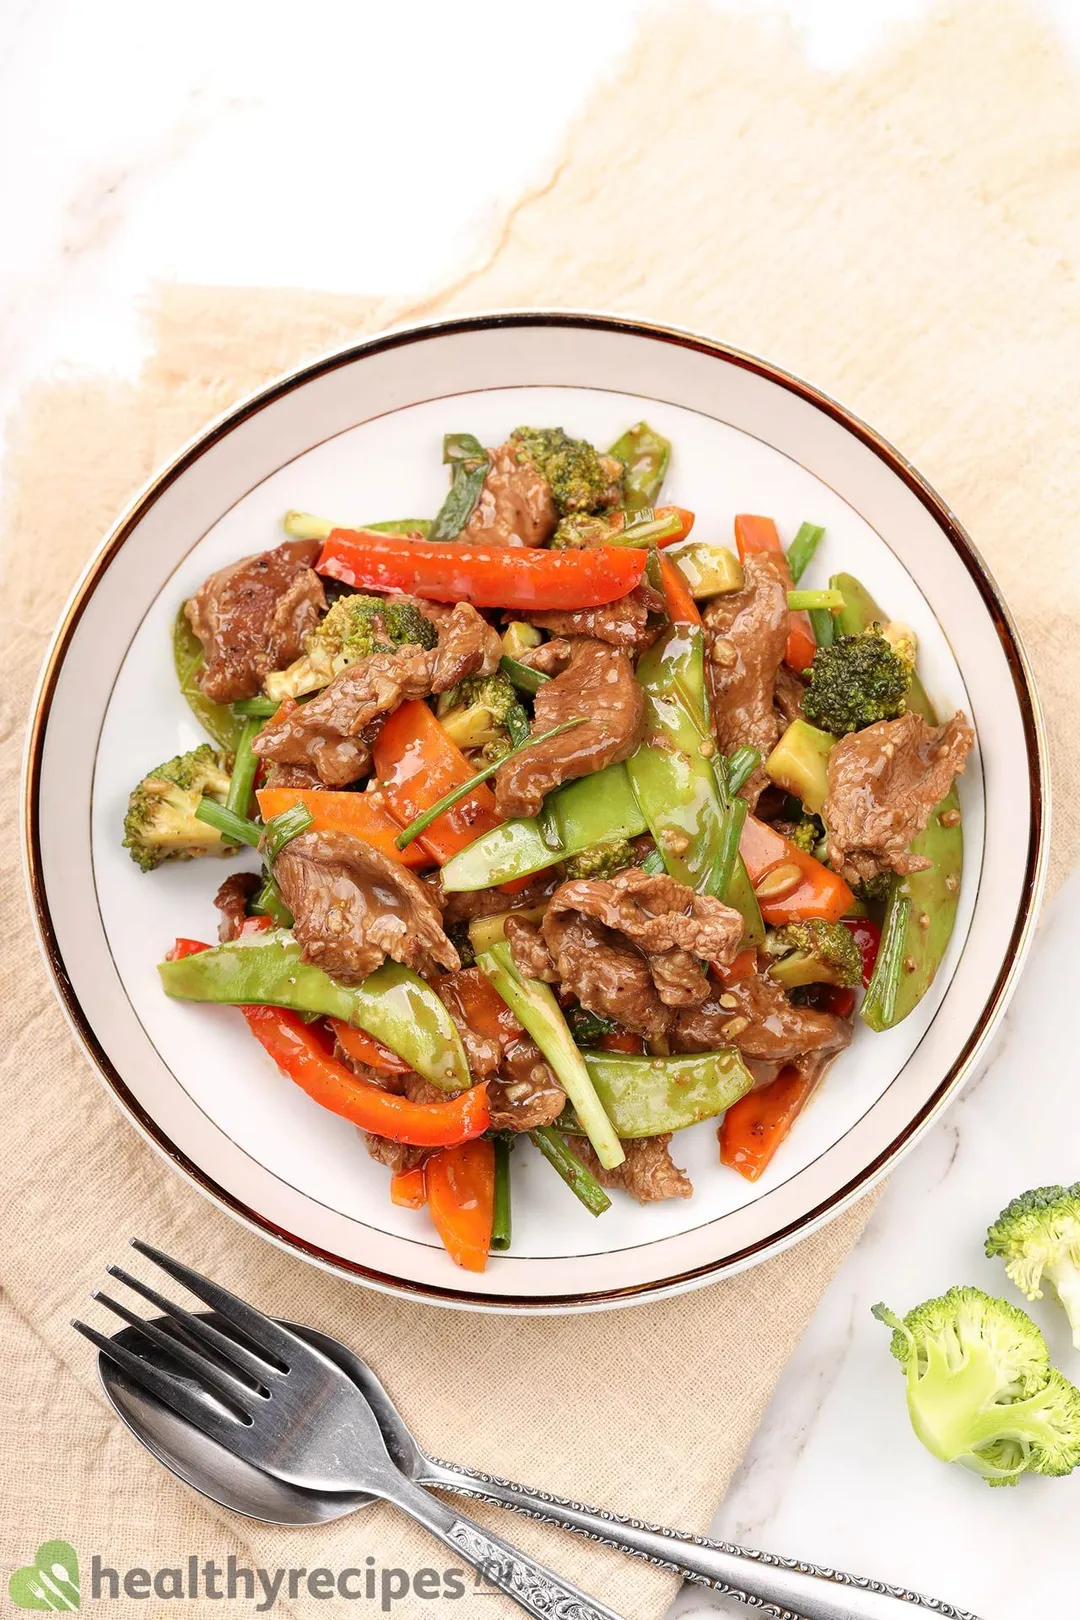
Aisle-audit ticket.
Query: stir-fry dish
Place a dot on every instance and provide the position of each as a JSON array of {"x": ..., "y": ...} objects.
[{"x": 570, "y": 827}]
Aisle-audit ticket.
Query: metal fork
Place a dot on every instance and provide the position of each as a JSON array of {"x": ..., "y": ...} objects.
[{"x": 282, "y": 1405}]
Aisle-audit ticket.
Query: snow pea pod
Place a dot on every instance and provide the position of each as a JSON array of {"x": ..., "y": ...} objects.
[
  {"x": 643, "y": 1096},
  {"x": 645, "y": 455},
  {"x": 216, "y": 718},
  {"x": 590, "y": 811},
  {"x": 393, "y": 1004},
  {"x": 920, "y": 912}
]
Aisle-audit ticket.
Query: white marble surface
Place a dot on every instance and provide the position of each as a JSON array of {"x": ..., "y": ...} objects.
[{"x": 330, "y": 146}]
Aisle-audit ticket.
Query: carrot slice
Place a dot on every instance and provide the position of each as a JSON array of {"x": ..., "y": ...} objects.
[
  {"x": 754, "y": 1127},
  {"x": 819, "y": 891},
  {"x": 408, "y": 1188},
  {"x": 461, "y": 1196},
  {"x": 363, "y": 815}
]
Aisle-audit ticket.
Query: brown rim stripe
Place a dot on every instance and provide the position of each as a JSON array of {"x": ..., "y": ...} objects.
[{"x": 1034, "y": 735}]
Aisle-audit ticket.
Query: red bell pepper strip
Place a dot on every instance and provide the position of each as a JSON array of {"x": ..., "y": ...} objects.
[
  {"x": 363, "y": 815},
  {"x": 760, "y": 534},
  {"x": 185, "y": 947},
  {"x": 621, "y": 1040},
  {"x": 754, "y": 1127},
  {"x": 417, "y": 764},
  {"x": 461, "y": 1196},
  {"x": 867, "y": 936},
  {"x": 408, "y": 1189},
  {"x": 486, "y": 576},
  {"x": 742, "y": 967},
  {"x": 681, "y": 607},
  {"x": 364, "y": 1048},
  {"x": 297, "y": 1052},
  {"x": 819, "y": 892}
]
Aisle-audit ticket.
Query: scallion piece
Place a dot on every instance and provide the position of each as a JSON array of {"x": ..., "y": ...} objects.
[
  {"x": 730, "y": 833},
  {"x": 501, "y": 1219},
  {"x": 823, "y": 625},
  {"x": 523, "y": 676},
  {"x": 830, "y": 601},
  {"x": 237, "y": 829},
  {"x": 741, "y": 766},
  {"x": 535, "y": 1008},
  {"x": 448, "y": 800},
  {"x": 653, "y": 863},
  {"x": 802, "y": 548},
  {"x": 255, "y": 708},
  {"x": 245, "y": 765},
  {"x": 268, "y": 903},
  {"x": 578, "y": 1177},
  {"x": 290, "y": 824}
]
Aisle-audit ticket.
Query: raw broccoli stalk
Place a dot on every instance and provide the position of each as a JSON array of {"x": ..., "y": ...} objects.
[
  {"x": 160, "y": 824},
  {"x": 355, "y": 627},
  {"x": 484, "y": 711},
  {"x": 1038, "y": 1235},
  {"x": 813, "y": 952},
  {"x": 980, "y": 1388},
  {"x": 581, "y": 479},
  {"x": 854, "y": 683},
  {"x": 602, "y": 860}
]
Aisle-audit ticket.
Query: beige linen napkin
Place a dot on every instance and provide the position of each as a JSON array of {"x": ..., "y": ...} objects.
[{"x": 906, "y": 235}]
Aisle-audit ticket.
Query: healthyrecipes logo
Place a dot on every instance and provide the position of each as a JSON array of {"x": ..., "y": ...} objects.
[{"x": 52, "y": 1582}]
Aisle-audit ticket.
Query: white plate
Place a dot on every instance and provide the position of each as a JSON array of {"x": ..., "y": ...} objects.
[{"x": 357, "y": 437}]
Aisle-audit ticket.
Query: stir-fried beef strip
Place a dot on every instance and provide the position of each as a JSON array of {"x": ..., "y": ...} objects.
[
  {"x": 516, "y": 507},
  {"x": 333, "y": 732},
  {"x": 252, "y": 618},
  {"x": 884, "y": 784},
  {"x": 789, "y": 693},
  {"x": 232, "y": 901},
  {"x": 745, "y": 636},
  {"x": 623, "y": 623},
  {"x": 354, "y": 907},
  {"x": 630, "y": 947},
  {"x": 551, "y": 657},
  {"x": 526, "y": 1093},
  {"x": 599, "y": 688},
  {"x": 648, "y": 1173},
  {"x": 756, "y": 1016},
  {"x": 465, "y": 905},
  {"x": 291, "y": 776}
]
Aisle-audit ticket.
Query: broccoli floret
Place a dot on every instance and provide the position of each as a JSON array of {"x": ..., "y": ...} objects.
[
  {"x": 355, "y": 627},
  {"x": 484, "y": 711},
  {"x": 580, "y": 529},
  {"x": 581, "y": 479},
  {"x": 855, "y": 682},
  {"x": 1038, "y": 1235},
  {"x": 980, "y": 1388},
  {"x": 814, "y": 952},
  {"x": 602, "y": 860},
  {"x": 806, "y": 833},
  {"x": 160, "y": 824},
  {"x": 875, "y": 890}
]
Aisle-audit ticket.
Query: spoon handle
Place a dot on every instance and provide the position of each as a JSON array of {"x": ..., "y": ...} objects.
[
  {"x": 785, "y": 1588},
  {"x": 534, "y": 1587}
]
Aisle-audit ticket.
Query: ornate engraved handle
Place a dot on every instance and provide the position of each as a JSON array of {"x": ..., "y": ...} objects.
[
  {"x": 781, "y": 1588},
  {"x": 534, "y": 1587}
]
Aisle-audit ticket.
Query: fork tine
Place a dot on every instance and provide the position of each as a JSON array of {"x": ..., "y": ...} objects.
[
  {"x": 222, "y": 1383},
  {"x": 169, "y": 1390},
  {"x": 273, "y": 1340},
  {"x": 205, "y": 1332}
]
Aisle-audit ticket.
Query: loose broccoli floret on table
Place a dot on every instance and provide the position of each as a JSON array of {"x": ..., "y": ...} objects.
[
  {"x": 980, "y": 1388},
  {"x": 602, "y": 860},
  {"x": 355, "y": 627},
  {"x": 854, "y": 683},
  {"x": 813, "y": 952},
  {"x": 160, "y": 824},
  {"x": 484, "y": 711},
  {"x": 1038, "y": 1235},
  {"x": 581, "y": 479}
]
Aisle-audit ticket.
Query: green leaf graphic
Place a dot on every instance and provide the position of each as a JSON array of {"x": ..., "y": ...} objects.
[{"x": 50, "y": 1582}]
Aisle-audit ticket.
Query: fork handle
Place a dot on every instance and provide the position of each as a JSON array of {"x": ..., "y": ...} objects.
[
  {"x": 534, "y": 1587},
  {"x": 784, "y": 1588}
]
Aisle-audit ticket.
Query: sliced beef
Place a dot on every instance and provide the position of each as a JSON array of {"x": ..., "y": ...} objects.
[
  {"x": 292, "y": 776},
  {"x": 483, "y": 1051},
  {"x": 756, "y": 1016},
  {"x": 232, "y": 901},
  {"x": 623, "y": 623},
  {"x": 746, "y": 634},
  {"x": 884, "y": 784},
  {"x": 598, "y": 686},
  {"x": 464, "y": 905},
  {"x": 333, "y": 732},
  {"x": 530, "y": 953},
  {"x": 516, "y": 507},
  {"x": 397, "y": 1156},
  {"x": 526, "y": 1093},
  {"x": 648, "y": 1173},
  {"x": 789, "y": 693},
  {"x": 354, "y": 907},
  {"x": 550, "y": 658},
  {"x": 252, "y": 618},
  {"x": 631, "y": 947}
]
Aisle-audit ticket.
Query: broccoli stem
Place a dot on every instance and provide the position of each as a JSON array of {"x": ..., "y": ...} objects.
[
  {"x": 245, "y": 766},
  {"x": 578, "y": 1177},
  {"x": 802, "y": 548},
  {"x": 501, "y": 1219},
  {"x": 534, "y": 1006},
  {"x": 238, "y": 829},
  {"x": 522, "y": 676},
  {"x": 448, "y": 800},
  {"x": 830, "y": 601}
]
